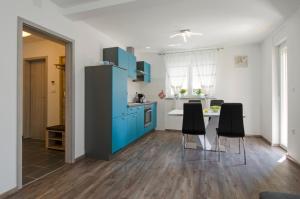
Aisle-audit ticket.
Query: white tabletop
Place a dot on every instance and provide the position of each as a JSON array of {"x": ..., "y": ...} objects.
[
  {"x": 179, "y": 112},
  {"x": 210, "y": 113}
]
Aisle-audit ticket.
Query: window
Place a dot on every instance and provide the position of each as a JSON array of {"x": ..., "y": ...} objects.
[
  {"x": 191, "y": 71},
  {"x": 178, "y": 78}
]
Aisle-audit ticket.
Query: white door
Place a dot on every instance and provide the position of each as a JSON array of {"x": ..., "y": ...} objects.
[{"x": 35, "y": 98}]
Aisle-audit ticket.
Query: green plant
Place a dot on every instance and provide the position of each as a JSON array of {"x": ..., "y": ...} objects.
[
  {"x": 182, "y": 91},
  {"x": 198, "y": 91}
]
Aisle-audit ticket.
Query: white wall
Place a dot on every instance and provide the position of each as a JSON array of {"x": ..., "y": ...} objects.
[
  {"x": 241, "y": 84},
  {"x": 132, "y": 89},
  {"x": 290, "y": 31},
  {"x": 51, "y": 50},
  {"x": 233, "y": 85},
  {"x": 266, "y": 90},
  {"x": 157, "y": 84},
  {"x": 88, "y": 45}
]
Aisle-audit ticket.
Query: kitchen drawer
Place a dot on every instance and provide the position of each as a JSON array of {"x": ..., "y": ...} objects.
[{"x": 132, "y": 110}]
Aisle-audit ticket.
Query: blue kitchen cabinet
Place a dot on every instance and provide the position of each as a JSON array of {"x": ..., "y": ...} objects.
[
  {"x": 131, "y": 128},
  {"x": 154, "y": 116},
  {"x": 140, "y": 121},
  {"x": 119, "y": 133},
  {"x": 116, "y": 55},
  {"x": 147, "y": 69},
  {"x": 144, "y": 69},
  {"x": 119, "y": 92},
  {"x": 153, "y": 123},
  {"x": 105, "y": 110},
  {"x": 132, "y": 73}
]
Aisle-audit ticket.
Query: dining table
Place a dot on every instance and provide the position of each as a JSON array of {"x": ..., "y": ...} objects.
[{"x": 211, "y": 123}]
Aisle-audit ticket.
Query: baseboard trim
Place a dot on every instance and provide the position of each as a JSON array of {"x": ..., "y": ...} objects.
[
  {"x": 171, "y": 130},
  {"x": 292, "y": 159},
  {"x": 8, "y": 193},
  {"x": 253, "y": 135},
  {"x": 266, "y": 140},
  {"x": 79, "y": 158}
]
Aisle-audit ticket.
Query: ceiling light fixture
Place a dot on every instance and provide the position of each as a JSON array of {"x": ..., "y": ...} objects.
[
  {"x": 26, "y": 34},
  {"x": 148, "y": 47},
  {"x": 185, "y": 34}
]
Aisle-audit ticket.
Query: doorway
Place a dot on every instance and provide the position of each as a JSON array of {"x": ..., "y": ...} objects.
[
  {"x": 283, "y": 79},
  {"x": 45, "y": 102}
]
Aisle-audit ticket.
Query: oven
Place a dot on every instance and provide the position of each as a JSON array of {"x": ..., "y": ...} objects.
[{"x": 147, "y": 115}]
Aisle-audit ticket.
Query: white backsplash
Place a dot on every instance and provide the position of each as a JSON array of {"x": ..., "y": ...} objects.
[{"x": 133, "y": 87}]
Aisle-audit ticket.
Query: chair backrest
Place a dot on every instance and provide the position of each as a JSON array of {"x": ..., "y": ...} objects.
[
  {"x": 216, "y": 102},
  {"x": 193, "y": 122},
  {"x": 194, "y": 101},
  {"x": 231, "y": 122}
]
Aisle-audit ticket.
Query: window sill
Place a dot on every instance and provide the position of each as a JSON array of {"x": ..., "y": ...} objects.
[{"x": 190, "y": 98}]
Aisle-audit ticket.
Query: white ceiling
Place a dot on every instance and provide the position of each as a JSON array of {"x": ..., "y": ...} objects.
[{"x": 142, "y": 23}]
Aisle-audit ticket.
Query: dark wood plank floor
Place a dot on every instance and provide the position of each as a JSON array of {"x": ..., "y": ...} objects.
[
  {"x": 154, "y": 168},
  {"x": 39, "y": 161}
]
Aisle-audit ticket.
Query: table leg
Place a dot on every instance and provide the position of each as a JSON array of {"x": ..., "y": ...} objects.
[{"x": 211, "y": 135}]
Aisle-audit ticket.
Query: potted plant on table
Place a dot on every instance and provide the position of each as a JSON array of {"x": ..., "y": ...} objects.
[
  {"x": 198, "y": 92},
  {"x": 182, "y": 92}
]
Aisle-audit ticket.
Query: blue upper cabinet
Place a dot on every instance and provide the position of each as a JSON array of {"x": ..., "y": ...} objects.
[
  {"x": 144, "y": 71},
  {"x": 116, "y": 55},
  {"x": 147, "y": 69},
  {"x": 132, "y": 66},
  {"x": 122, "y": 59}
]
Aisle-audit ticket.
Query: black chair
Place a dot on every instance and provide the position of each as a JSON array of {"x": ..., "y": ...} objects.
[
  {"x": 231, "y": 124},
  {"x": 216, "y": 102},
  {"x": 194, "y": 101},
  {"x": 193, "y": 122}
]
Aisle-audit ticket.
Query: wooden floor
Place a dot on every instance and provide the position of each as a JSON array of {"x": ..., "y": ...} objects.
[
  {"x": 154, "y": 168},
  {"x": 39, "y": 161}
]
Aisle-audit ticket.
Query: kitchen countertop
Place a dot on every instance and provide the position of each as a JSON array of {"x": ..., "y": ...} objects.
[{"x": 132, "y": 104}]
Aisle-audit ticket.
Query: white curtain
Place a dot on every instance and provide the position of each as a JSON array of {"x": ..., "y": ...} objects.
[
  {"x": 177, "y": 76},
  {"x": 191, "y": 71}
]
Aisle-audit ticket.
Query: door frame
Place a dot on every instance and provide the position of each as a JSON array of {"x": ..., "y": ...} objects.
[
  {"x": 282, "y": 46},
  {"x": 44, "y": 58},
  {"x": 70, "y": 90}
]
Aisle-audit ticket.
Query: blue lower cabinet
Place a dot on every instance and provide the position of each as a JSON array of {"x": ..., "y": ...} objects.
[
  {"x": 131, "y": 128},
  {"x": 140, "y": 121},
  {"x": 119, "y": 133},
  {"x": 154, "y": 115},
  {"x": 127, "y": 129}
]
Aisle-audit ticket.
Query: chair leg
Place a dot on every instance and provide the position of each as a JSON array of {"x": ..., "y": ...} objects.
[
  {"x": 239, "y": 145},
  {"x": 245, "y": 158},
  {"x": 204, "y": 148},
  {"x": 219, "y": 152},
  {"x": 183, "y": 146}
]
